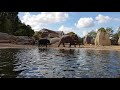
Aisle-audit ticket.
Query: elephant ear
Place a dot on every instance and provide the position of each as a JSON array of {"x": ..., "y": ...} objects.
[
  {"x": 76, "y": 37},
  {"x": 72, "y": 36}
]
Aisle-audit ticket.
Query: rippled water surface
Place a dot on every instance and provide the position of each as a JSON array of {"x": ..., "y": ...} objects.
[{"x": 59, "y": 63}]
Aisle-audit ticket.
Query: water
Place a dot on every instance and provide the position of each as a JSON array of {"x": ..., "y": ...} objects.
[{"x": 59, "y": 63}]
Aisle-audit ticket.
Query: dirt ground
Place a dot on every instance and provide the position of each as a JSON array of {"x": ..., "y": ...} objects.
[{"x": 92, "y": 47}]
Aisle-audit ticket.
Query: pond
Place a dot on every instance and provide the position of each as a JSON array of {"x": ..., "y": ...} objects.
[{"x": 59, "y": 63}]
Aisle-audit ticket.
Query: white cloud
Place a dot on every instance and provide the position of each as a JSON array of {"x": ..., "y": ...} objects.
[
  {"x": 38, "y": 27},
  {"x": 85, "y": 22},
  {"x": 103, "y": 19},
  {"x": 66, "y": 29},
  {"x": 44, "y": 18},
  {"x": 116, "y": 19}
]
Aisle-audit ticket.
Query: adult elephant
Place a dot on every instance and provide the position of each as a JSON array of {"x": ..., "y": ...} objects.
[
  {"x": 43, "y": 42},
  {"x": 73, "y": 40}
]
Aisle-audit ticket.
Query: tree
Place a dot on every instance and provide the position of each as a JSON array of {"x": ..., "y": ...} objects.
[
  {"x": 118, "y": 31},
  {"x": 8, "y": 22},
  {"x": 116, "y": 36},
  {"x": 92, "y": 34},
  {"x": 102, "y": 29},
  {"x": 11, "y": 24},
  {"x": 24, "y": 30},
  {"x": 109, "y": 31},
  {"x": 71, "y": 33}
]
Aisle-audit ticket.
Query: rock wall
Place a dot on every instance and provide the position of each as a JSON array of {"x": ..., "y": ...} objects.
[{"x": 102, "y": 39}]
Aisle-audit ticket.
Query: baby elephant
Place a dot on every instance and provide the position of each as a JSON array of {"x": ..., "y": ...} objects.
[{"x": 43, "y": 42}]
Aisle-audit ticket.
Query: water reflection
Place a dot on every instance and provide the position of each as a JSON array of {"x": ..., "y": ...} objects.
[
  {"x": 7, "y": 60},
  {"x": 43, "y": 49},
  {"x": 69, "y": 67},
  {"x": 65, "y": 51},
  {"x": 59, "y": 63}
]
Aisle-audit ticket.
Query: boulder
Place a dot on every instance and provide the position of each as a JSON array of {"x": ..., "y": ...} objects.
[
  {"x": 119, "y": 41},
  {"x": 4, "y": 38},
  {"x": 102, "y": 39},
  {"x": 23, "y": 40},
  {"x": 54, "y": 40}
]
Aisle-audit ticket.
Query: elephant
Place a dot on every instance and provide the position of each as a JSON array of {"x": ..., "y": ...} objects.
[
  {"x": 43, "y": 42},
  {"x": 73, "y": 40}
]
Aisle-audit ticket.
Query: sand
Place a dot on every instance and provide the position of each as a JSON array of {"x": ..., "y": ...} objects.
[{"x": 91, "y": 47}]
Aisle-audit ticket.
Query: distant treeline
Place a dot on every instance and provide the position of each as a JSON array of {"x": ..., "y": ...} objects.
[{"x": 11, "y": 24}]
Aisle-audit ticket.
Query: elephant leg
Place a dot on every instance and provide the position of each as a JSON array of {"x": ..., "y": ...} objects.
[
  {"x": 63, "y": 44},
  {"x": 70, "y": 45},
  {"x": 38, "y": 44},
  {"x": 74, "y": 45},
  {"x": 59, "y": 44},
  {"x": 79, "y": 44},
  {"x": 46, "y": 45}
]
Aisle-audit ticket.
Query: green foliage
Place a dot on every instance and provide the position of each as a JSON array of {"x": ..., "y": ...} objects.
[
  {"x": 92, "y": 34},
  {"x": 118, "y": 33},
  {"x": 80, "y": 40},
  {"x": 24, "y": 30},
  {"x": 102, "y": 29},
  {"x": 10, "y": 23},
  {"x": 37, "y": 35},
  {"x": 71, "y": 33},
  {"x": 109, "y": 31},
  {"x": 116, "y": 36}
]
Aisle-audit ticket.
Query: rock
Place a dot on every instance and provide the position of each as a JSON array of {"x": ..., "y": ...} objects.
[
  {"x": 4, "y": 38},
  {"x": 22, "y": 40},
  {"x": 4, "y": 41},
  {"x": 102, "y": 39},
  {"x": 119, "y": 41},
  {"x": 54, "y": 40},
  {"x": 13, "y": 39}
]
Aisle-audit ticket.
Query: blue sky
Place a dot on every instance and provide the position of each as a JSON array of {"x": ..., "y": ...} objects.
[{"x": 79, "y": 22}]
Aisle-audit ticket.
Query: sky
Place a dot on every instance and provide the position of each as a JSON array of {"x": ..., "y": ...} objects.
[{"x": 79, "y": 22}]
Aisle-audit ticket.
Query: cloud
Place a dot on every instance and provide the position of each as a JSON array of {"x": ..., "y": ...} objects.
[
  {"x": 116, "y": 19},
  {"x": 66, "y": 29},
  {"x": 44, "y": 18},
  {"x": 85, "y": 22},
  {"x": 103, "y": 19},
  {"x": 38, "y": 27}
]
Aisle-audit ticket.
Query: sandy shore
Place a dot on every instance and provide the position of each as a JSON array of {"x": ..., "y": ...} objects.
[{"x": 91, "y": 47}]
